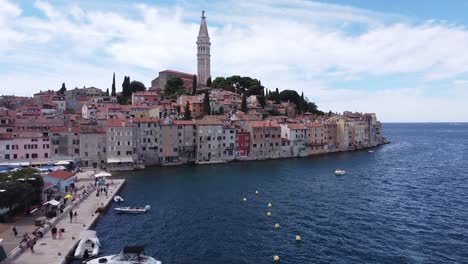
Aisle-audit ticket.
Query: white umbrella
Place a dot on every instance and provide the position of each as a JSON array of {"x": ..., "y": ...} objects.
[{"x": 103, "y": 174}]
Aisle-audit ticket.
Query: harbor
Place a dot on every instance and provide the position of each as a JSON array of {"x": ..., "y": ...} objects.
[{"x": 88, "y": 209}]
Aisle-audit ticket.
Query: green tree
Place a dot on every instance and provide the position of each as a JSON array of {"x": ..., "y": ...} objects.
[
  {"x": 208, "y": 82},
  {"x": 206, "y": 104},
  {"x": 244, "y": 104},
  {"x": 63, "y": 89},
  {"x": 187, "y": 112},
  {"x": 221, "y": 110},
  {"x": 261, "y": 100},
  {"x": 107, "y": 92},
  {"x": 174, "y": 87},
  {"x": 126, "y": 91},
  {"x": 136, "y": 86},
  {"x": 113, "y": 92},
  {"x": 194, "y": 85}
]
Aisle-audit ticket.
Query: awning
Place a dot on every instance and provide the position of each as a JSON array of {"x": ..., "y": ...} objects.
[
  {"x": 120, "y": 160},
  {"x": 103, "y": 174},
  {"x": 52, "y": 202},
  {"x": 47, "y": 185},
  {"x": 25, "y": 163}
]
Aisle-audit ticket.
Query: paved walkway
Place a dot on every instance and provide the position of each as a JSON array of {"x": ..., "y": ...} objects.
[{"x": 50, "y": 251}]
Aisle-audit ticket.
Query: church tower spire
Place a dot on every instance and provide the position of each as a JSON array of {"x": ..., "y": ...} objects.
[{"x": 203, "y": 52}]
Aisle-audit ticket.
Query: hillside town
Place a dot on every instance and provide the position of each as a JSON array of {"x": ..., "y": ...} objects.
[{"x": 181, "y": 118}]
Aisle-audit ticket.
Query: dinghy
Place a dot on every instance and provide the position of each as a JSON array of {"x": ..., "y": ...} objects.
[
  {"x": 88, "y": 247},
  {"x": 118, "y": 199}
]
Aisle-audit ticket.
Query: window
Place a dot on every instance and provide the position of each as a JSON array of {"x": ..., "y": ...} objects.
[
  {"x": 15, "y": 156},
  {"x": 7, "y": 147},
  {"x": 7, "y": 156},
  {"x": 27, "y": 156},
  {"x": 118, "y": 153}
]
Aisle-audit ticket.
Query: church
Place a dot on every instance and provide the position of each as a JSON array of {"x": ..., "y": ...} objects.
[{"x": 203, "y": 64}]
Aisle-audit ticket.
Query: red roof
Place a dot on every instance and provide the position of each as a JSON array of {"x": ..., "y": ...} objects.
[
  {"x": 61, "y": 175},
  {"x": 118, "y": 123},
  {"x": 183, "y": 122},
  {"x": 187, "y": 75}
]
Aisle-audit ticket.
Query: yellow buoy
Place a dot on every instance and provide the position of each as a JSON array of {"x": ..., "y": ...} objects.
[
  {"x": 257, "y": 192},
  {"x": 276, "y": 258},
  {"x": 277, "y": 226},
  {"x": 244, "y": 199},
  {"x": 268, "y": 214},
  {"x": 269, "y": 205},
  {"x": 298, "y": 238}
]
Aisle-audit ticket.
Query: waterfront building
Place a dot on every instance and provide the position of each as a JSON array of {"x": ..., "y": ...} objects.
[
  {"x": 60, "y": 179},
  {"x": 119, "y": 143},
  {"x": 146, "y": 132},
  {"x": 203, "y": 53},
  {"x": 65, "y": 142},
  {"x": 92, "y": 150},
  {"x": 229, "y": 142},
  {"x": 187, "y": 140},
  {"x": 209, "y": 141},
  {"x": 316, "y": 138},
  {"x": 330, "y": 131},
  {"x": 242, "y": 144},
  {"x": 27, "y": 146},
  {"x": 265, "y": 138},
  {"x": 168, "y": 142}
]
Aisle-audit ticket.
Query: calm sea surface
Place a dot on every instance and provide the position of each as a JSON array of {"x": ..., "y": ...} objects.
[{"x": 405, "y": 203}]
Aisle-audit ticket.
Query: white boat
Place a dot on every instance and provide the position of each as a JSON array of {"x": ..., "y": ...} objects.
[
  {"x": 340, "y": 172},
  {"x": 88, "y": 247},
  {"x": 129, "y": 255},
  {"x": 132, "y": 209},
  {"x": 118, "y": 199},
  {"x": 371, "y": 151}
]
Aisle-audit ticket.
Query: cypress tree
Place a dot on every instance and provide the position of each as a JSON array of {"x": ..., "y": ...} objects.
[
  {"x": 221, "y": 110},
  {"x": 194, "y": 85},
  {"x": 113, "y": 93},
  {"x": 277, "y": 96},
  {"x": 107, "y": 92},
  {"x": 206, "y": 104},
  {"x": 187, "y": 112},
  {"x": 63, "y": 89},
  {"x": 244, "y": 104},
  {"x": 208, "y": 82}
]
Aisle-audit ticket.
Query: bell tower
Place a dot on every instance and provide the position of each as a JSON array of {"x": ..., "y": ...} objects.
[{"x": 203, "y": 53}]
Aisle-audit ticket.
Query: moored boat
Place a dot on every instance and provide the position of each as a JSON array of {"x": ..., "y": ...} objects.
[
  {"x": 129, "y": 255},
  {"x": 88, "y": 247},
  {"x": 132, "y": 209},
  {"x": 340, "y": 172},
  {"x": 118, "y": 199}
]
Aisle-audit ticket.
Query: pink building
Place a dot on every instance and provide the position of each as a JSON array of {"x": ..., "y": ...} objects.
[{"x": 242, "y": 144}]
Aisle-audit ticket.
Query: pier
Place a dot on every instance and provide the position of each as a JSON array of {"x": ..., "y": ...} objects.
[{"x": 48, "y": 250}]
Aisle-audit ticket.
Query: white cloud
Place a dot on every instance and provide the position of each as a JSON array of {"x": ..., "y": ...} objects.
[{"x": 293, "y": 44}]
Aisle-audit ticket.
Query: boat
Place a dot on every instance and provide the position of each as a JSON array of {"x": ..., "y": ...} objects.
[
  {"x": 132, "y": 209},
  {"x": 340, "y": 172},
  {"x": 88, "y": 247},
  {"x": 118, "y": 199},
  {"x": 371, "y": 151},
  {"x": 129, "y": 255}
]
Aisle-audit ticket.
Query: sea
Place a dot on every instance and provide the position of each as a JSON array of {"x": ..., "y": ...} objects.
[{"x": 406, "y": 202}]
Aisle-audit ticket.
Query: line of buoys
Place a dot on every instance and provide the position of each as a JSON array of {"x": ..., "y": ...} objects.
[
  {"x": 298, "y": 238},
  {"x": 244, "y": 199},
  {"x": 277, "y": 226},
  {"x": 269, "y": 214},
  {"x": 269, "y": 205},
  {"x": 276, "y": 258},
  {"x": 257, "y": 192}
]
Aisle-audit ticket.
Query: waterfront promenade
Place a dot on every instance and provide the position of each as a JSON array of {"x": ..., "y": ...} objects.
[{"x": 48, "y": 250}]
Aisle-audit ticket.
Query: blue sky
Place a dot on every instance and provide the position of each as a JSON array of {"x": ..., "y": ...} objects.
[{"x": 404, "y": 60}]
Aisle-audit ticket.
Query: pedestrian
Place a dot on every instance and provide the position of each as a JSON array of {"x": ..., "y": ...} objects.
[
  {"x": 60, "y": 233},
  {"x": 75, "y": 215},
  {"x": 41, "y": 232},
  {"x": 54, "y": 232},
  {"x": 71, "y": 215},
  {"x": 15, "y": 230}
]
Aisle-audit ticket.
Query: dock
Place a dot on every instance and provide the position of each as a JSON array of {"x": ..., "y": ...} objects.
[{"x": 48, "y": 250}]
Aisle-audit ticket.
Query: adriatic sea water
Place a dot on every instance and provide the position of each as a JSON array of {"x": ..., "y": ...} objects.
[{"x": 407, "y": 202}]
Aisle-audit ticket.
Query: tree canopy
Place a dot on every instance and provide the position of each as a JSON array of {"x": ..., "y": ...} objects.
[
  {"x": 187, "y": 112},
  {"x": 63, "y": 89},
  {"x": 22, "y": 188},
  {"x": 239, "y": 84},
  {"x": 113, "y": 92},
  {"x": 206, "y": 104},
  {"x": 174, "y": 87}
]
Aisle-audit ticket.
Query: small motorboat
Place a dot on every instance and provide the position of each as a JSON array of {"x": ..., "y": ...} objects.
[
  {"x": 371, "y": 151},
  {"x": 132, "y": 209},
  {"x": 118, "y": 199},
  {"x": 88, "y": 247},
  {"x": 129, "y": 255},
  {"x": 340, "y": 172}
]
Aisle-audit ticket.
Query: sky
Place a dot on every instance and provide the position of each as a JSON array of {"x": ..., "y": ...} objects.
[{"x": 406, "y": 61}]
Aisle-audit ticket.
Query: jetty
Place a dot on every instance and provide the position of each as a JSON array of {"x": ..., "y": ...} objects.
[{"x": 48, "y": 250}]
